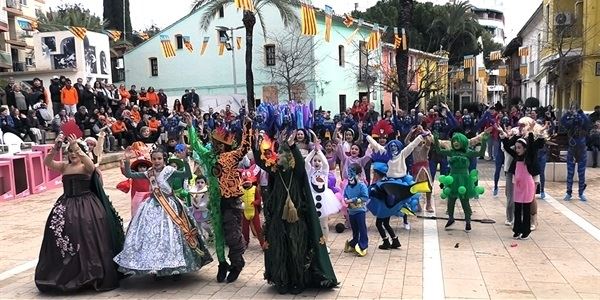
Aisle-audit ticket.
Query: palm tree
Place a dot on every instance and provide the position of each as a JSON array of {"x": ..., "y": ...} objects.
[
  {"x": 287, "y": 10},
  {"x": 69, "y": 15},
  {"x": 405, "y": 11},
  {"x": 458, "y": 28}
]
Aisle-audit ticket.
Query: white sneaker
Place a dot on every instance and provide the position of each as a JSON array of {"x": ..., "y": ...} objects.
[
  {"x": 508, "y": 223},
  {"x": 532, "y": 227},
  {"x": 407, "y": 226}
]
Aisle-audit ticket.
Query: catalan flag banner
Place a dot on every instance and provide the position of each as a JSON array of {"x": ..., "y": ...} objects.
[
  {"x": 469, "y": 62},
  {"x": 114, "y": 34},
  {"x": 188, "y": 44},
  {"x": 244, "y": 4},
  {"x": 204, "y": 45},
  {"x": 79, "y": 32},
  {"x": 351, "y": 37},
  {"x": 523, "y": 51},
  {"x": 309, "y": 21},
  {"x": 221, "y": 48},
  {"x": 374, "y": 37},
  {"x": 502, "y": 71},
  {"x": 144, "y": 36},
  {"x": 460, "y": 75},
  {"x": 238, "y": 42},
  {"x": 495, "y": 55},
  {"x": 481, "y": 73},
  {"x": 328, "y": 16},
  {"x": 348, "y": 20},
  {"x": 523, "y": 70},
  {"x": 404, "y": 40},
  {"x": 167, "y": 46}
]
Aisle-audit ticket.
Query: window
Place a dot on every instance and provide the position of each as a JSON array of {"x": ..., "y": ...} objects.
[
  {"x": 341, "y": 56},
  {"x": 153, "y": 66},
  {"x": 29, "y": 61},
  {"x": 179, "y": 41},
  {"x": 270, "y": 55},
  {"x": 24, "y": 2},
  {"x": 221, "y": 12}
]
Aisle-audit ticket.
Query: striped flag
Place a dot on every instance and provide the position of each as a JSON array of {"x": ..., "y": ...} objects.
[
  {"x": 397, "y": 39},
  {"x": 167, "y": 46},
  {"x": 502, "y": 71},
  {"x": 404, "y": 40},
  {"x": 114, "y": 34},
  {"x": 309, "y": 21},
  {"x": 244, "y": 4},
  {"x": 328, "y": 16},
  {"x": 238, "y": 42},
  {"x": 495, "y": 55},
  {"x": 221, "y": 48},
  {"x": 144, "y": 36},
  {"x": 469, "y": 61},
  {"x": 351, "y": 37},
  {"x": 374, "y": 37},
  {"x": 460, "y": 75},
  {"x": 481, "y": 73},
  {"x": 523, "y": 51},
  {"x": 523, "y": 70},
  {"x": 188, "y": 43},
  {"x": 348, "y": 20},
  {"x": 78, "y": 31},
  {"x": 204, "y": 45}
]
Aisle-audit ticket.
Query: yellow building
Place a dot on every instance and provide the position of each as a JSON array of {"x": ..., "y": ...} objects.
[
  {"x": 17, "y": 19},
  {"x": 571, "y": 50}
]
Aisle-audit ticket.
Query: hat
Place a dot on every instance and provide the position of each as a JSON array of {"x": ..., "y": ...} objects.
[
  {"x": 380, "y": 167},
  {"x": 141, "y": 162},
  {"x": 54, "y": 77},
  {"x": 177, "y": 161}
]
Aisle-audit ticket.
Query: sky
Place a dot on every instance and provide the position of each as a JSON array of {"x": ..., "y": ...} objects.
[{"x": 163, "y": 13}]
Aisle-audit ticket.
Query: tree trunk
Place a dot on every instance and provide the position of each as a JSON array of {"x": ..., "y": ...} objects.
[
  {"x": 113, "y": 13},
  {"x": 405, "y": 8},
  {"x": 249, "y": 21}
]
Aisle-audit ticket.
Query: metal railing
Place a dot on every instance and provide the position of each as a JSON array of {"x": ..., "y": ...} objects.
[
  {"x": 16, "y": 4},
  {"x": 19, "y": 67}
]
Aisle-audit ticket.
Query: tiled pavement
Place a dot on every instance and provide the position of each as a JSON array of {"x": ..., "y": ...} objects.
[{"x": 560, "y": 261}]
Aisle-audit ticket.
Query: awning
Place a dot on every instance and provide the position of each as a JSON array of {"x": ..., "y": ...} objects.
[{"x": 25, "y": 25}]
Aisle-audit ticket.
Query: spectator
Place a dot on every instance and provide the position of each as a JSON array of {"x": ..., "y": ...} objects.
[
  {"x": 101, "y": 96},
  {"x": 114, "y": 99},
  {"x": 133, "y": 96},
  {"x": 44, "y": 115},
  {"x": 7, "y": 124},
  {"x": 59, "y": 120},
  {"x": 8, "y": 90},
  {"x": 154, "y": 125},
  {"x": 136, "y": 117},
  {"x": 594, "y": 142},
  {"x": 80, "y": 87},
  {"x": 163, "y": 100},
  {"x": 153, "y": 99},
  {"x": 69, "y": 98},
  {"x": 20, "y": 98},
  {"x": 35, "y": 127},
  {"x": 177, "y": 107},
  {"x": 55, "y": 88},
  {"x": 37, "y": 94},
  {"x": 124, "y": 94},
  {"x": 143, "y": 98},
  {"x": 595, "y": 116},
  {"x": 195, "y": 98},
  {"x": 186, "y": 101},
  {"x": 21, "y": 125},
  {"x": 229, "y": 115},
  {"x": 88, "y": 99},
  {"x": 82, "y": 118},
  {"x": 119, "y": 131}
]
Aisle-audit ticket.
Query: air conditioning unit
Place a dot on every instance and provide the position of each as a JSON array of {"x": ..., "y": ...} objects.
[{"x": 563, "y": 19}]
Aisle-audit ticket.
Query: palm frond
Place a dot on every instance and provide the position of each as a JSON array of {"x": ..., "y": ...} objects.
[{"x": 211, "y": 9}]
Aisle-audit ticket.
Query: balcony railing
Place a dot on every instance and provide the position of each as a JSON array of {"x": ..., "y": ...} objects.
[
  {"x": 19, "y": 67},
  {"x": 16, "y": 4},
  {"x": 5, "y": 60}
]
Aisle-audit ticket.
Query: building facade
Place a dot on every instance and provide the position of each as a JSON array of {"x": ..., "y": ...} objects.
[
  {"x": 491, "y": 20},
  {"x": 17, "y": 22},
  {"x": 334, "y": 82}
]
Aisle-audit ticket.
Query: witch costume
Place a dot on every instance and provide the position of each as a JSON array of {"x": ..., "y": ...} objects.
[
  {"x": 295, "y": 252},
  {"x": 82, "y": 235},
  {"x": 162, "y": 238}
]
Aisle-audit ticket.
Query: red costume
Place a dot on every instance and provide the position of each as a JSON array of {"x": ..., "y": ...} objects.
[
  {"x": 140, "y": 188},
  {"x": 252, "y": 204}
]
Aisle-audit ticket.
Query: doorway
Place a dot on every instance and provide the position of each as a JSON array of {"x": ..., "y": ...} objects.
[{"x": 342, "y": 103}]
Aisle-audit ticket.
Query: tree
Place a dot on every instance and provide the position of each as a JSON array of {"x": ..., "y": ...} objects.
[
  {"x": 294, "y": 62},
  {"x": 114, "y": 14},
  {"x": 69, "y": 15},
  {"x": 405, "y": 10},
  {"x": 287, "y": 11}
]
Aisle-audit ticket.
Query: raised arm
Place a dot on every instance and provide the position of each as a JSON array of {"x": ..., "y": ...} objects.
[
  {"x": 49, "y": 159},
  {"x": 321, "y": 155},
  {"x": 481, "y": 152},
  {"x": 411, "y": 147},
  {"x": 375, "y": 145},
  {"x": 185, "y": 173},
  {"x": 438, "y": 149},
  {"x": 88, "y": 164},
  {"x": 130, "y": 174},
  {"x": 309, "y": 158}
]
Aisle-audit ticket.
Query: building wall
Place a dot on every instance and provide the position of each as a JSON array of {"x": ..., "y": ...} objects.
[
  {"x": 16, "y": 44},
  {"x": 591, "y": 62},
  {"x": 211, "y": 74}
]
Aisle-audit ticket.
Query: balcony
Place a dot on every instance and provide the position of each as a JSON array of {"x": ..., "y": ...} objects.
[
  {"x": 13, "y": 7},
  {"x": 19, "y": 67},
  {"x": 5, "y": 60}
]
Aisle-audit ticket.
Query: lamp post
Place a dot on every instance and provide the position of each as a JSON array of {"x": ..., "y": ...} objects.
[{"x": 230, "y": 47}]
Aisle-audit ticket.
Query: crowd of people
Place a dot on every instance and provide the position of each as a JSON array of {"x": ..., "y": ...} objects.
[{"x": 207, "y": 177}]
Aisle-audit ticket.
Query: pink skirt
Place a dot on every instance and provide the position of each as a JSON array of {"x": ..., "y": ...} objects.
[{"x": 523, "y": 184}]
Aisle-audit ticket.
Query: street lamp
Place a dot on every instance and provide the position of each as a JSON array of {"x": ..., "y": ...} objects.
[{"x": 224, "y": 38}]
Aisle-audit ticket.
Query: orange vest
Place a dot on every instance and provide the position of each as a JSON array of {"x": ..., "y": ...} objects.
[
  {"x": 118, "y": 126},
  {"x": 135, "y": 116}
]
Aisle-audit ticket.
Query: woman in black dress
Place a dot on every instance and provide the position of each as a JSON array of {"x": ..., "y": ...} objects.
[{"x": 83, "y": 232}]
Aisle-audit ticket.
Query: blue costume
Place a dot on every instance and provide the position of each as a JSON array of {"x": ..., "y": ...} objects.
[
  {"x": 577, "y": 125},
  {"x": 357, "y": 196}
]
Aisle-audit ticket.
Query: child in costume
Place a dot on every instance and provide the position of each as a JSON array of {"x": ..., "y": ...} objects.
[
  {"x": 326, "y": 203},
  {"x": 199, "y": 197},
  {"x": 251, "y": 203},
  {"x": 524, "y": 161},
  {"x": 377, "y": 207},
  {"x": 420, "y": 167},
  {"x": 356, "y": 194},
  {"x": 139, "y": 187},
  {"x": 460, "y": 183},
  {"x": 162, "y": 238}
]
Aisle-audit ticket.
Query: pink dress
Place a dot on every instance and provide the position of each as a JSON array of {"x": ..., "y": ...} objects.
[{"x": 524, "y": 186}]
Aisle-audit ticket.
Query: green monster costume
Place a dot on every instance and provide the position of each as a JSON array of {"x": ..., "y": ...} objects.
[
  {"x": 460, "y": 183},
  {"x": 209, "y": 160},
  {"x": 177, "y": 183},
  {"x": 295, "y": 251}
]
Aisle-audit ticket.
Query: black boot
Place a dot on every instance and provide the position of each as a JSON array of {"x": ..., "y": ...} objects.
[
  {"x": 395, "y": 243},
  {"x": 468, "y": 227},
  {"x": 450, "y": 222},
  {"x": 234, "y": 273},
  {"x": 222, "y": 273},
  {"x": 386, "y": 244}
]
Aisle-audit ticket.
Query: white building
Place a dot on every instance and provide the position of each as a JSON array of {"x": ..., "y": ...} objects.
[
  {"x": 60, "y": 53},
  {"x": 534, "y": 84},
  {"x": 333, "y": 84},
  {"x": 492, "y": 20}
]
